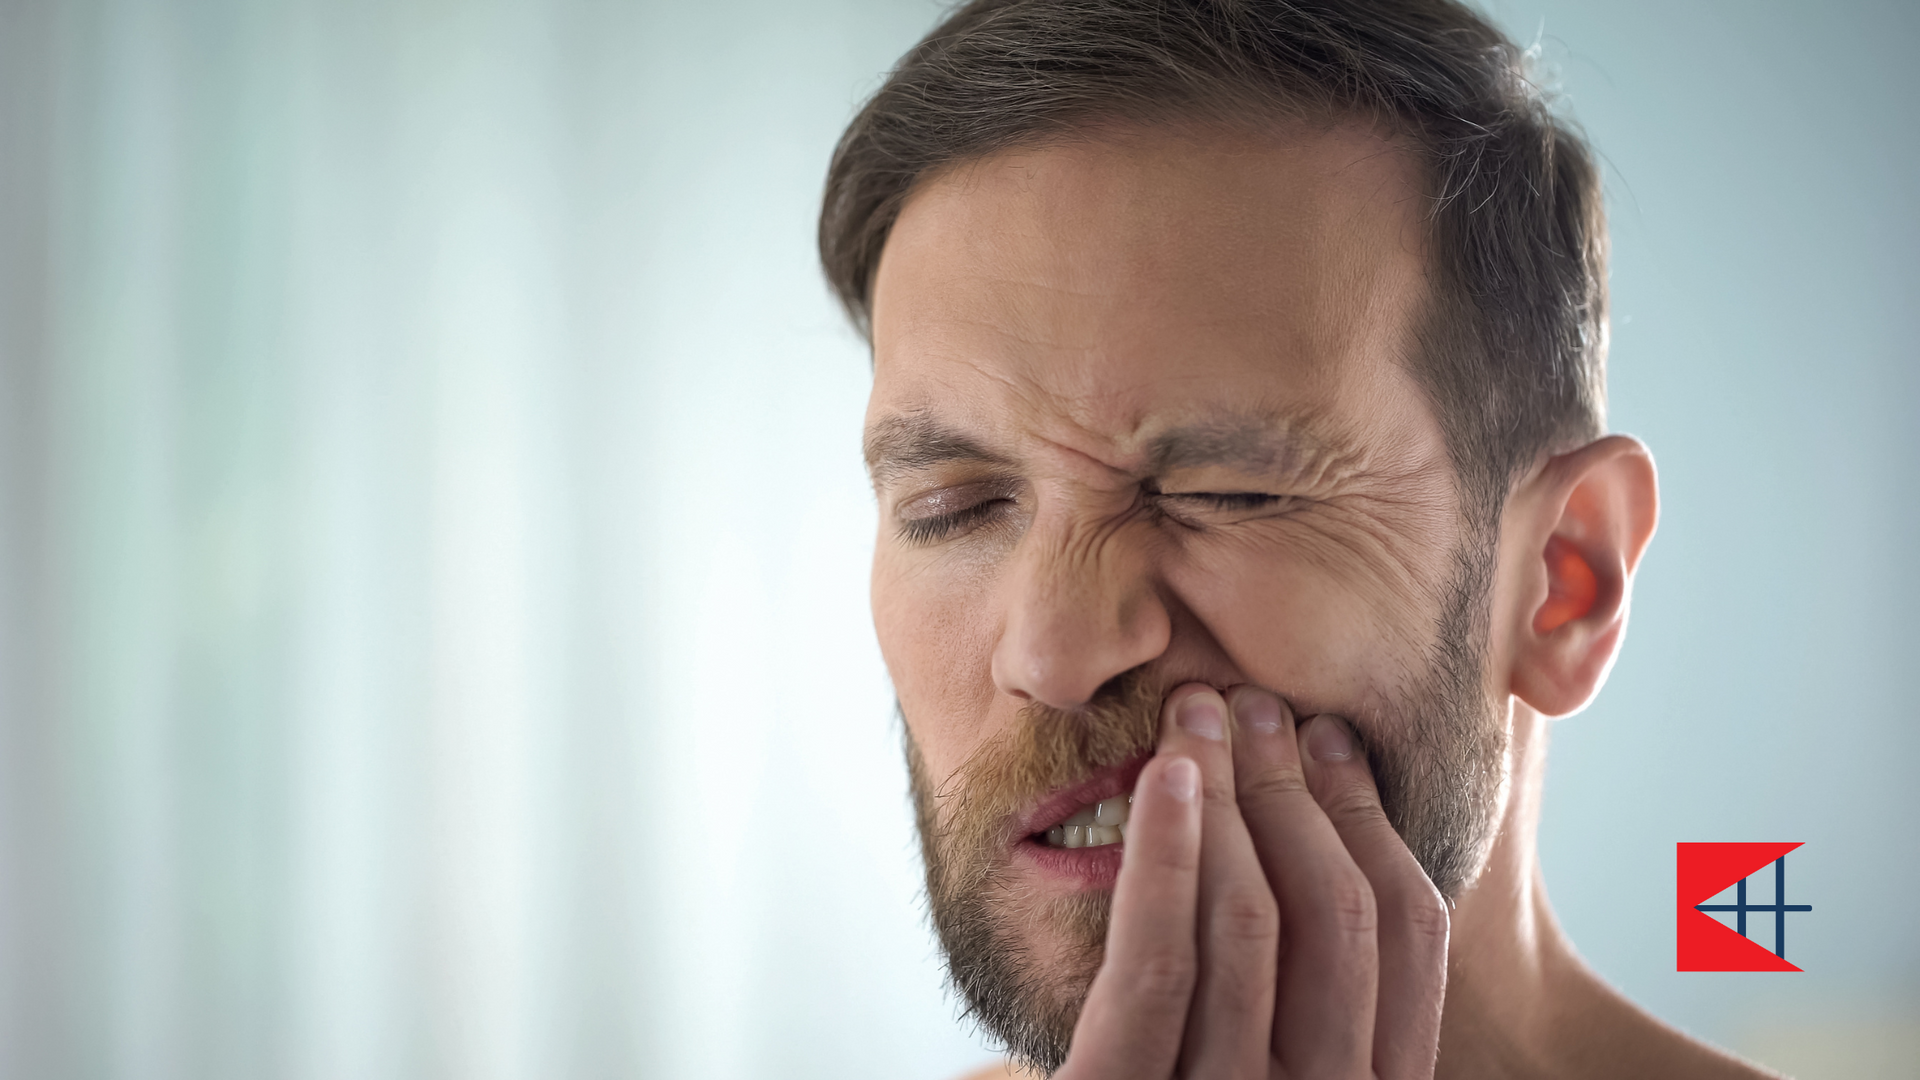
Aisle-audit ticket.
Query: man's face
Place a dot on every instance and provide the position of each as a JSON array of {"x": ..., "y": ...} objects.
[{"x": 1141, "y": 415}]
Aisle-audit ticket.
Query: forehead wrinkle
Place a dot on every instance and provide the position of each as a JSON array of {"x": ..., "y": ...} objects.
[
  {"x": 1057, "y": 407},
  {"x": 1290, "y": 444}
]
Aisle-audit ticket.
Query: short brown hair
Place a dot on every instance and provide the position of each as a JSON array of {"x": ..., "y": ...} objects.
[{"x": 1514, "y": 345}]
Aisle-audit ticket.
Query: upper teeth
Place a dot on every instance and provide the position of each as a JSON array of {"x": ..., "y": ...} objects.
[{"x": 1104, "y": 822}]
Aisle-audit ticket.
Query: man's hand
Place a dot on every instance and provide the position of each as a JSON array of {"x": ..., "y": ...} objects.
[{"x": 1268, "y": 921}]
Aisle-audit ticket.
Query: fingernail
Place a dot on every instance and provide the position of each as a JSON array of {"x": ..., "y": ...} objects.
[
  {"x": 1328, "y": 740},
  {"x": 1203, "y": 715},
  {"x": 1182, "y": 779},
  {"x": 1259, "y": 711}
]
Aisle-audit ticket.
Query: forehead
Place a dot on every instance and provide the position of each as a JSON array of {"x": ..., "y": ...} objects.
[{"x": 1107, "y": 288}]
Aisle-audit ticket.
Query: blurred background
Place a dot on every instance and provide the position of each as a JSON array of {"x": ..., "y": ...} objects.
[{"x": 433, "y": 633}]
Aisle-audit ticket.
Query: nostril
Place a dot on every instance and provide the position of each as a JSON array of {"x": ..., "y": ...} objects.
[{"x": 1064, "y": 639}]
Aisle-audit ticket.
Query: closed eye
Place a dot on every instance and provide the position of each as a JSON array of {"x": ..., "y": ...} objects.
[
  {"x": 1200, "y": 509},
  {"x": 926, "y": 530},
  {"x": 955, "y": 511},
  {"x": 1229, "y": 500}
]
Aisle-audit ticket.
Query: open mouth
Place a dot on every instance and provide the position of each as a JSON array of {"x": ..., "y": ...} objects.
[
  {"x": 1090, "y": 814},
  {"x": 1095, "y": 824}
]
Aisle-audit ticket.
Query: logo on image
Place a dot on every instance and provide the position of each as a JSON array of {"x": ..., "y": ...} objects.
[{"x": 1707, "y": 944}]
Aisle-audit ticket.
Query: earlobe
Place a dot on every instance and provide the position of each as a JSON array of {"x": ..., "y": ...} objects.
[{"x": 1585, "y": 520}]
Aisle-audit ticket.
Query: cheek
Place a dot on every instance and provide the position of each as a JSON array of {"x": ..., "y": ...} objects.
[
  {"x": 938, "y": 647},
  {"x": 1331, "y": 637}
]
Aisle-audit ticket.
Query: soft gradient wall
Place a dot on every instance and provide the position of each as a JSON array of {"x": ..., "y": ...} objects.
[
  {"x": 432, "y": 538},
  {"x": 1763, "y": 164}
]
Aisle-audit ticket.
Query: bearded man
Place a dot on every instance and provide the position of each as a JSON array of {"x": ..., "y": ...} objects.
[{"x": 1246, "y": 510}]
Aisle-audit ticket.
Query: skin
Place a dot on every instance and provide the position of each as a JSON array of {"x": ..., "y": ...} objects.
[{"x": 1065, "y": 340}]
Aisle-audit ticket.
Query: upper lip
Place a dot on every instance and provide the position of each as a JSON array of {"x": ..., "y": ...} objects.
[{"x": 1102, "y": 784}]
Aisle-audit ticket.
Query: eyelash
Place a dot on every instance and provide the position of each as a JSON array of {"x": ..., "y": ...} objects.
[
  {"x": 1217, "y": 502},
  {"x": 939, "y": 527},
  {"x": 1230, "y": 500},
  {"x": 928, "y": 530}
]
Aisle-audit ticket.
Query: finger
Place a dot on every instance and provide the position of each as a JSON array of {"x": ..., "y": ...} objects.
[
  {"x": 1228, "y": 1029},
  {"x": 1136, "y": 1009},
  {"x": 1413, "y": 917},
  {"x": 1328, "y": 979}
]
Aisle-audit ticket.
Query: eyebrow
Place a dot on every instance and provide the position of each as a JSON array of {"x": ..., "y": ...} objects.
[
  {"x": 1279, "y": 445},
  {"x": 910, "y": 442},
  {"x": 1283, "y": 445}
]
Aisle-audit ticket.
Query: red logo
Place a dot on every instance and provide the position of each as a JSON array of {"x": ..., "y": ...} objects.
[{"x": 1706, "y": 943}]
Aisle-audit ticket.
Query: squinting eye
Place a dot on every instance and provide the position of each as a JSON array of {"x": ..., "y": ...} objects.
[
  {"x": 1233, "y": 500},
  {"x": 1225, "y": 500},
  {"x": 1199, "y": 508}
]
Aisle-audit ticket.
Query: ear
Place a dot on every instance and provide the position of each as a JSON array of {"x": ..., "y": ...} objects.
[{"x": 1579, "y": 525}]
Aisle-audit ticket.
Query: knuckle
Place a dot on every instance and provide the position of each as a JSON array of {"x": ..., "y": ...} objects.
[
  {"x": 1162, "y": 980},
  {"x": 1243, "y": 917},
  {"x": 1427, "y": 915},
  {"x": 1353, "y": 803},
  {"x": 1351, "y": 905},
  {"x": 1273, "y": 784},
  {"x": 1217, "y": 789}
]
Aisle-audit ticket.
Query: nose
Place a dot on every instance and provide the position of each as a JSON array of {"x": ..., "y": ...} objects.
[{"x": 1079, "y": 611}]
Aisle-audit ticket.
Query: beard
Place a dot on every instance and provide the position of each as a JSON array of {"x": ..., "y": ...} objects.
[{"x": 1023, "y": 963}]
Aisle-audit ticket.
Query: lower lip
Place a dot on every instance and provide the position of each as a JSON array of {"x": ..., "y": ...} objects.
[{"x": 1088, "y": 867}]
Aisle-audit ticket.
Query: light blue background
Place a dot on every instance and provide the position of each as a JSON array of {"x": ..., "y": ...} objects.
[
  {"x": 432, "y": 538},
  {"x": 1762, "y": 178}
]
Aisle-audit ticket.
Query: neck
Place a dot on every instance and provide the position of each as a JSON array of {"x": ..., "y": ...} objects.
[
  {"x": 1506, "y": 952},
  {"x": 1520, "y": 1001}
]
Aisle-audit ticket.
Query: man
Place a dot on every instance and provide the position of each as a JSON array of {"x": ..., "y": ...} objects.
[{"x": 1245, "y": 512}]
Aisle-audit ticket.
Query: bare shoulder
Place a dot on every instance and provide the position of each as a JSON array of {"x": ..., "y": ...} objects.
[
  {"x": 1582, "y": 1028},
  {"x": 1616, "y": 1037},
  {"x": 1660, "y": 1052}
]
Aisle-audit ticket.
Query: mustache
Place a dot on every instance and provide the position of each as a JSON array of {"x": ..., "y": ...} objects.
[{"x": 1046, "y": 749}]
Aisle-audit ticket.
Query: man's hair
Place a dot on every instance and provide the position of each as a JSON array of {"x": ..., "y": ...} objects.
[{"x": 1513, "y": 342}]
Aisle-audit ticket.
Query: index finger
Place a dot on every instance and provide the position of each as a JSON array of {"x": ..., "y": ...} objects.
[{"x": 1136, "y": 1010}]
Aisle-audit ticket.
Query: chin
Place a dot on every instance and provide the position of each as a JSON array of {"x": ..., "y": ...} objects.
[{"x": 1023, "y": 960}]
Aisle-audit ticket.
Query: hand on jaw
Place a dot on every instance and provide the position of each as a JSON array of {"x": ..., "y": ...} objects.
[{"x": 1267, "y": 921}]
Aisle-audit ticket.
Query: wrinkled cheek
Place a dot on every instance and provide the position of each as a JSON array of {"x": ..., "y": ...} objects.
[{"x": 1301, "y": 632}]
